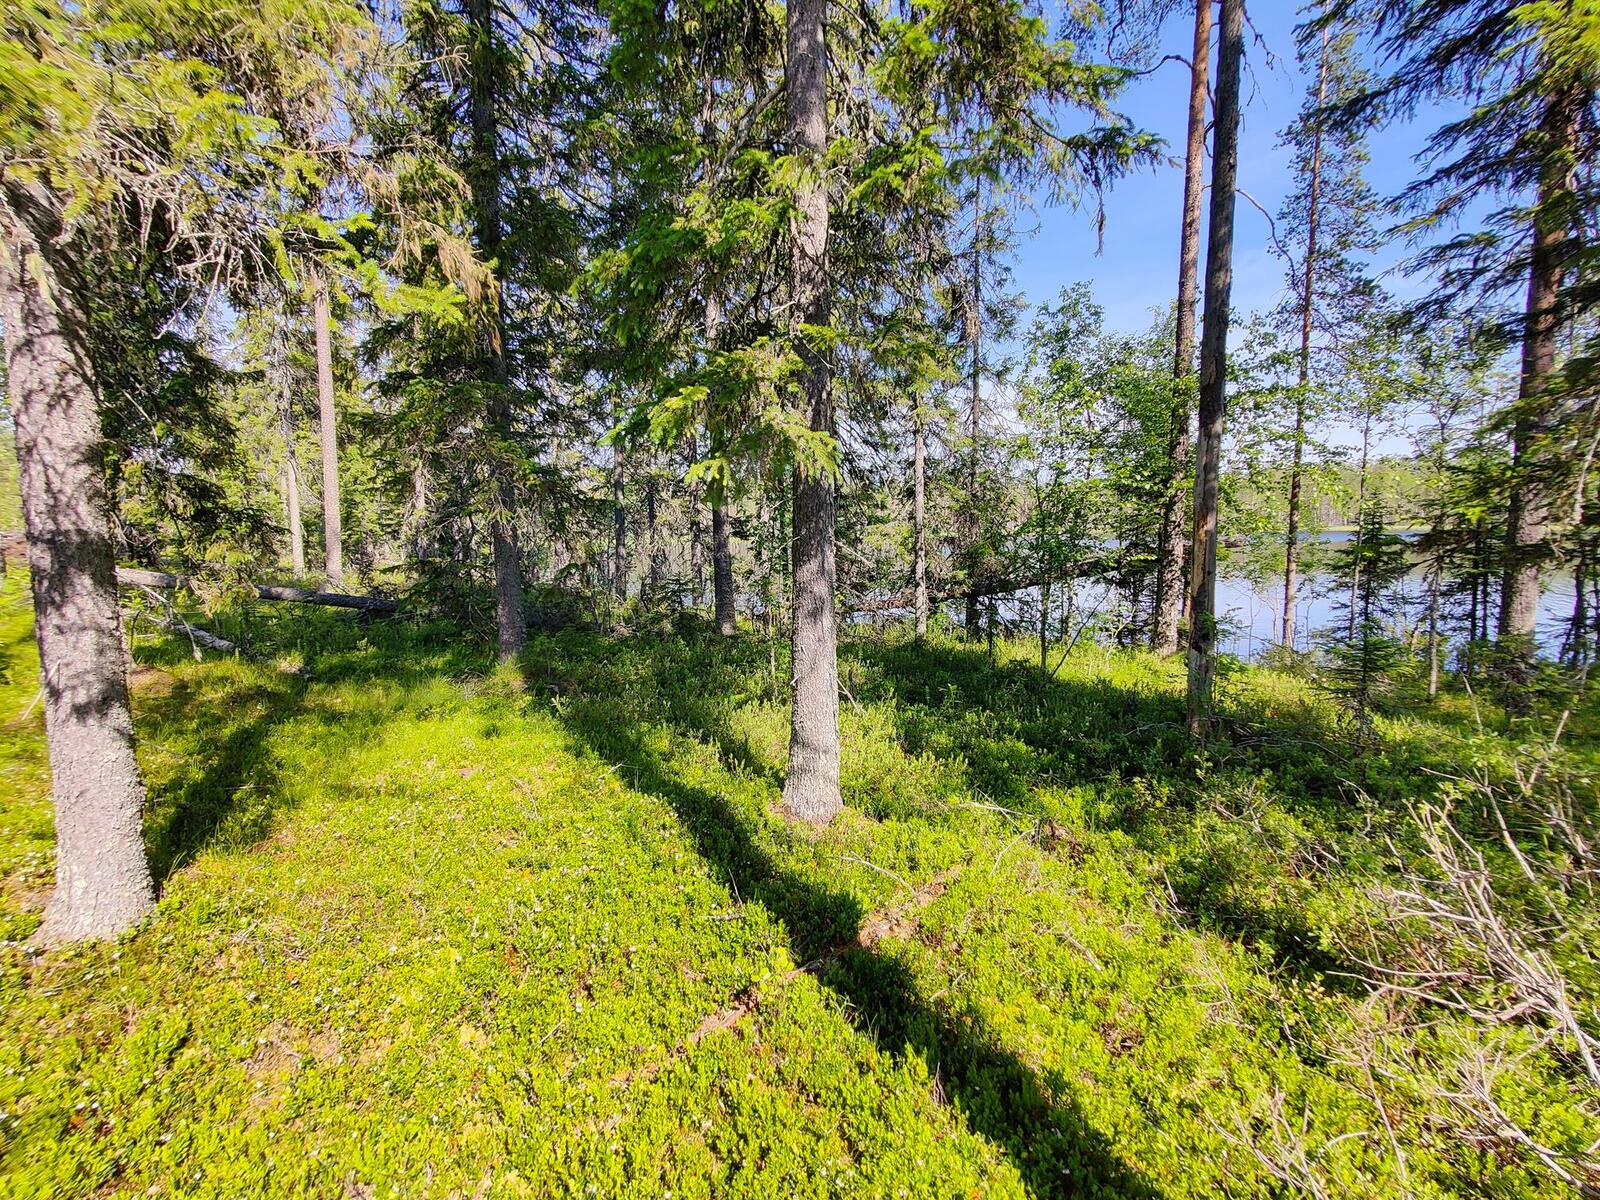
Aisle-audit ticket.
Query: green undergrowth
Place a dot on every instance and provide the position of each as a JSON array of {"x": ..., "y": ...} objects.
[{"x": 433, "y": 929}]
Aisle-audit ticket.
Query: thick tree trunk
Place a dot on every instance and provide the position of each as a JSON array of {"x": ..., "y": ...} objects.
[
  {"x": 103, "y": 883},
  {"x": 1171, "y": 543},
  {"x": 510, "y": 620},
  {"x": 919, "y": 518},
  {"x": 332, "y": 531},
  {"x": 1308, "y": 280},
  {"x": 1214, "y": 372},
  {"x": 811, "y": 789},
  {"x": 1528, "y": 515}
]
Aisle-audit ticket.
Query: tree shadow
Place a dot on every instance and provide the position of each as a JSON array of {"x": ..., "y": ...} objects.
[
  {"x": 1035, "y": 1121},
  {"x": 225, "y": 783}
]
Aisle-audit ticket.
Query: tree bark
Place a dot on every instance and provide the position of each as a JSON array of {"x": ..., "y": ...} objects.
[
  {"x": 332, "y": 531},
  {"x": 102, "y": 883},
  {"x": 722, "y": 598},
  {"x": 1528, "y": 514},
  {"x": 1361, "y": 505},
  {"x": 1214, "y": 372},
  {"x": 722, "y": 570},
  {"x": 811, "y": 788},
  {"x": 1308, "y": 279},
  {"x": 919, "y": 521},
  {"x": 619, "y": 528},
  {"x": 291, "y": 464},
  {"x": 1170, "y": 543},
  {"x": 510, "y": 620}
]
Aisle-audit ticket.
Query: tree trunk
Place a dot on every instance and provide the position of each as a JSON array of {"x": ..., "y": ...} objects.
[
  {"x": 1214, "y": 372},
  {"x": 1361, "y": 504},
  {"x": 919, "y": 518},
  {"x": 291, "y": 463},
  {"x": 619, "y": 528},
  {"x": 811, "y": 789},
  {"x": 510, "y": 620},
  {"x": 102, "y": 883},
  {"x": 1170, "y": 543},
  {"x": 722, "y": 598},
  {"x": 332, "y": 532},
  {"x": 1528, "y": 515},
  {"x": 1308, "y": 279},
  {"x": 722, "y": 571},
  {"x": 652, "y": 535},
  {"x": 974, "y": 335}
]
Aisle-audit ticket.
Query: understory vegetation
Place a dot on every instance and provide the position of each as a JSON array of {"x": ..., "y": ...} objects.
[{"x": 431, "y": 927}]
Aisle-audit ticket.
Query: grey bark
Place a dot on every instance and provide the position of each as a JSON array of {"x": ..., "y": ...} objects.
[
  {"x": 1171, "y": 543},
  {"x": 332, "y": 530},
  {"x": 510, "y": 620},
  {"x": 291, "y": 463},
  {"x": 1308, "y": 279},
  {"x": 811, "y": 788},
  {"x": 102, "y": 881},
  {"x": 1214, "y": 372}
]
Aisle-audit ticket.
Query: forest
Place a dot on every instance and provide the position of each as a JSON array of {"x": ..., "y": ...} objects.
[{"x": 776, "y": 598}]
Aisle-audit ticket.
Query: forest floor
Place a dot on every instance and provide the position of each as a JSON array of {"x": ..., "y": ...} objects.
[{"x": 432, "y": 929}]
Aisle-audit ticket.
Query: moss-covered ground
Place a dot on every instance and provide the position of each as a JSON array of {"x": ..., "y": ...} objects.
[{"x": 432, "y": 929}]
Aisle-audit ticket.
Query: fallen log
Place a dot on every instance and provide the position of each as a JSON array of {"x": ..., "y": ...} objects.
[
  {"x": 134, "y": 577},
  {"x": 197, "y": 636}
]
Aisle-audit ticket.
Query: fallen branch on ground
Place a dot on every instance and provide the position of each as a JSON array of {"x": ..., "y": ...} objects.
[{"x": 134, "y": 577}]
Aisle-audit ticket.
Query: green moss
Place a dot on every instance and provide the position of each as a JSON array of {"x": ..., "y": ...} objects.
[{"x": 429, "y": 929}]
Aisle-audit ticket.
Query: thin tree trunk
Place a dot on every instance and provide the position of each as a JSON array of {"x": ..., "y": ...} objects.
[
  {"x": 1214, "y": 372},
  {"x": 811, "y": 789},
  {"x": 619, "y": 529},
  {"x": 332, "y": 531},
  {"x": 1433, "y": 631},
  {"x": 722, "y": 571},
  {"x": 417, "y": 518},
  {"x": 511, "y": 626},
  {"x": 1168, "y": 608},
  {"x": 291, "y": 462},
  {"x": 102, "y": 883},
  {"x": 652, "y": 536},
  {"x": 1308, "y": 280},
  {"x": 974, "y": 333},
  {"x": 919, "y": 518},
  {"x": 1361, "y": 504},
  {"x": 722, "y": 594}
]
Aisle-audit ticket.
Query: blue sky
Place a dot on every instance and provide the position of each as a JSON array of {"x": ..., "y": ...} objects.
[{"x": 1136, "y": 270}]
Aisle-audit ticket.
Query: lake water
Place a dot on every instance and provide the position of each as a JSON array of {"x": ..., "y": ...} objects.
[{"x": 1250, "y": 616}]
